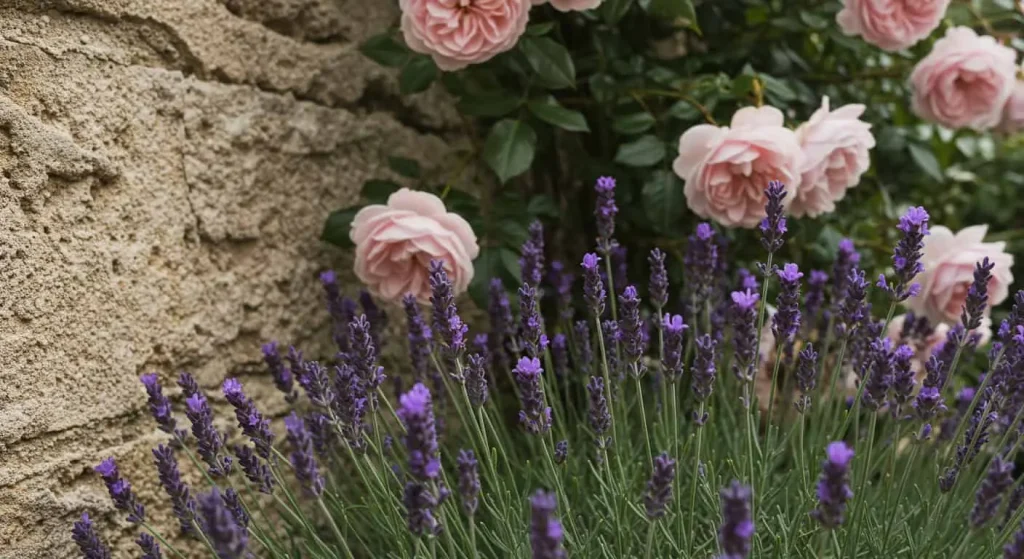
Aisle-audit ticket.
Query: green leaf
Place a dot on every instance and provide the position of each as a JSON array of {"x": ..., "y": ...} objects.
[
  {"x": 643, "y": 152},
  {"x": 552, "y": 113},
  {"x": 385, "y": 50},
  {"x": 684, "y": 110},
  {"x": 539, "y": 29},
  {"x": 337, "y": 227},
  {"x": 489, "y": 104},
  {"x": 404, "y": 166},
  {"x": 376, "y": 191},
  {"x": 777, "y": 87},
  {"x": 675, "y": 9},
  {"x": 550, "y": 60},
  {"x": 613, "y": 10},
  {"x": 417, "y": 75},
  {"x": 663, "y": 200},
  {"x": 493, "y": 262},
  {"x": 512, "y": 232},
  {"x": 633, "y": 124},
  {"x": 603, "y": 88},
  {"x": 510, "y": 148},
  {"x": 543, "y": 206},
  {"x": 926, "y": 160}
]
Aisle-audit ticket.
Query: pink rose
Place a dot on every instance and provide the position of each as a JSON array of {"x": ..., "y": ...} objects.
[
  {"x": 835, "y": 146},
  {"x": 949, "y": 261},
  {"x": 570, "y": 5},
  {"x": 965, "y": 81},
  {"x": 891, "y": 24},
  {"x": 457, "y": 33},
  {"x": 1013, "y": 112},
  {"x": 396, "y": 242},
  {"x": 728, "y": 169}
]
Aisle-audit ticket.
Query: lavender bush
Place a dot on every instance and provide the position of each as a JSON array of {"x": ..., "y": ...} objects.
[{"x": 640, "y": 419}]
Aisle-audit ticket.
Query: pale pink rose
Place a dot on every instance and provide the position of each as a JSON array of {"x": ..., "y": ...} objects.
[
  {"x": 835, "y": 145},
  {"x": 965, "y": 81},
  {"x": 727, "y": 169},
  {"x": 570, "y": 5},
  {"x": 949, "y": 261},
  {"x": 1013, "y": 112},
  {"x": 891, "y": 24},
  {"x": 396, "y": 242},
  {"x": 457, "y": 33}
]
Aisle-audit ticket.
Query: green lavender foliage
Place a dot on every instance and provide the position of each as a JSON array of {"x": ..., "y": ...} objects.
[{"x": 897, "y": 508}]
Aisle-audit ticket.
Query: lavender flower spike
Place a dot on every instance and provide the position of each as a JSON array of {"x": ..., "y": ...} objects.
[
  {"x": 417, "y": 414},
  {"x": 675, "y": 330},
  {"x": 150, "y": 549},
  {"x": 990, "y": 495},
  {"x": 476, "y": 380},
  {"x": 658, "y": 286},
  {"x": 903, "y": 382},
  {"x": 84, "y": 534},
  {"x": 534, "y": 416},
  {"x": 532, "y": 260},
  {"x": 605, "y": 211},
  {"x": 743, "y": 316},
  {"x": 737, "y": 525},
  {"x": 121, "y": 491},
  {"x": 252, "y": 422},
  {"x": 210, "y": 441},
  {"x": 1015, "y": 548},
  {"x": 419, "y": 338},
  {"x": 228, "y": 539},
  {"x": 976, "y": 303},
  {"x": 631, "y": 327},
  {"x": 786, "y": 321},
  {"x": 303, "y": 462},
  {"x": 906, "y": 258},
  {"x": 593, "y": 288},
  {"x": 815, "y": 298},
  {"x": 806, "y": 376},
  {"x": 704, "y": 371},
  {"x": 773, "y": 226},
  {"x": 530, "y": 320},
  {"x": 562, "y": 280},
  {"x": 545, "y": 530},
  {"x": 284, "y": 378},
  {"x": 182, "y": 504},
  {"x": 599, "y": 419},
  {"x": 255, "y": 470},
  {"x": 500, "y": 313},
  {"x": 659, "y": 487},
  {"x": 469, "y": 481},
  {"x": 847, "y": 260},
  {"x": 834, "y": 485},
  {"x": 700, "y": 261},
  {"x": 160, "y": 406}
]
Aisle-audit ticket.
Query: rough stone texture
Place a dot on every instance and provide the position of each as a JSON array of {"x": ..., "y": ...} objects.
[{"x": 166, "y": 168}]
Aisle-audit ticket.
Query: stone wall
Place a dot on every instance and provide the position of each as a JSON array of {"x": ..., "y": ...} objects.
[{"x": 166, "y": 169}]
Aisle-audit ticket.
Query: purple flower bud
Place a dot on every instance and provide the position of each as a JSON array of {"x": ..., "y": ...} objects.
[
  {"x": 349, "y": 405},
  {"x": 786, "y": 321},
  {"x": 834, "y": 485},
  {"x": 737, "y": 525},
  {"x": 704, "y": 369},
  {"x": 976, "y": 303},
  {"x": 659, "y": 487},
  {"x": 990, "y": 495},
  {"x": 877, "y": 373},
  {"x": 284, "y": 379},
  {"x": 561, "y": 451},
  {"x": 476, "y": 380},
  {"x": 254, "y": 469},
  {"x": 469, "y": 481},
  {"x": 611, "y": 334},
  {"x": 659, "y": 279},
  {"x": 160, "y": 407},
  {"x": 700, "y": 262},
  {"x": 501, "y": 325},
  {"x": 182, "y": 504},
  {"x": 89, "y": 543},
  {"x": 1015, "y": 548},
  {"x": 743, "y": 316},
  {"x": 806, "y": 376},
  {"x": 675, "y": 330},
  {"x": 584, "y": 349},
  {"x": 815, "y": 298},
  {"x": 317, "y": 384},
  {"x": 304, "y": 464},
  {"x": 545, "y": 530},
  {"x": 530, "y": 320},
  {"x": 534, "y": 416},
  {"x": 150, "y": 549},
  {"x": 188, "y": 384},
  {"x": 209, "y": 439},
  {"x": 599, "y": 419},
  {"x": 906, "y": 258},
  {"x": 340, "y": 308},
  {"x": 252, "y": 422},
  {"x": 417, "y": 414},
  {"x": 852, "y": 308},
  {"x": 227, "y": 537},
  {"x": 748, "y": 281},
  {"x": 364, "y": 357},
  {"x": 773, "y": 226},
  {"x": 593, "y": 288},
  {"x": 903, "y": 382},
  {"x": 847, "y": 260},
  {"x": 378, "y": 319},
  {"x": 630, "y": 326},
  {"x": 420, "y": 502},
  {"x": 532, "y": 260},
  {"x": 418, "y": 336},
  {"x": 233, "y": 502},
  {"x": 443, "y": 300},
  {"x": 560, "y": 355},
  {"x": 620, "y": 265},
  {"x": 121, "y": 491},
  {"x": 605, "y": 210}
]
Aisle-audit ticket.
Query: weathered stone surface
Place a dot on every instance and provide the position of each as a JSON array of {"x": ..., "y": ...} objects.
[{"x": 166, "y": 168}]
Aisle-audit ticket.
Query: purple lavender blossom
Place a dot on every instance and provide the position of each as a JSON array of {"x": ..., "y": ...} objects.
[
  {"x": 630, "y": 325},
  {"x": 419, "y": 337},
  {"x": 605, "y": 210},
  {"x": 852, "y": 308},
  {"x": 227, "y": 537},
  {"x": 420, "y": 502},
  {"x": 442, "y": 298},
  {"x": 928, "y": 402},
  {"x": 786, "y": 321},
  {"x": 806, "y": 376},
  {"x": 598, "y": 417},
  {"x": 977, "y": 295},
  {"x": 675, "y": 330},
  {"x": 417, "y": 414},
  {"x": 304, "y": 464},
  {"x": 182, "y": 504},
  {"x": 737, "y": 525},
  {"x": 534, "y": 416},
  {"x": 658, "y": 286},
  {"x": 255, "y": 469},
  {"x": 363, "y": 357},
  {"x": 89, "y": 543},
  {"x": 545, "y": 530},
  {"x": 160, "y": 407},
  {"x": 1015, "y": 548},
  {"x": 469, "y": 481},
  {"x": 210, "y": 441},
  {"x": 150, "y": 549},
  {"x": 584, "y": 350},
  {"x": 704, "y": 371},
  {"x": 286, "y": 382},
  {"x": 903, "y": 382},
  {"x": 283, "y": 378},
  {"x": 234, "y": 504},
  {"x": 593, "y": 288},
  {"x": 476, "y": 380},
  {"x": 121, "y": 491},
  {"x": 834, "y": 485},
  {"x": 530, "y": 325},
  {"x": 560, "y": 355},
  {"x": 252, "y": 422},
  {"x": 562, "y": 281},
  {"x": 349, "y": 405},
  {"x": 317, "y": 384},
  {"x": 340, "y": 308},
  {"x": 847, "y": 260},
  {"x": 773, "y": 226},
  {"x": 747, "y": 281},
  {"x": 322, "y": 433},
  {"x": 906, "y": 258},
  {"x": 877, "y": 373},
  {"x": 815, "y": 298},
  {"x": 378, "y": 319},
  {"x": 620, "y": 265},
  {"x": 610, "y": 333},
  {"x": 501, "y": 325},
  {"x": 977, "y": 432},
  {"x": 990, "y": 495},
  {"x": 700, "y": 261},
  {"x": 659, "y": 487},
  {"x": 743, "y": 316},
  {"x": 188, "y": 384},
  {"x": 532, "y": 260},
  {"x": 561, "y": 451}
]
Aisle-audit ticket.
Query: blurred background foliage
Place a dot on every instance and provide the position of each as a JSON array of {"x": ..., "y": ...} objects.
[{"x": 609, "y": 92}]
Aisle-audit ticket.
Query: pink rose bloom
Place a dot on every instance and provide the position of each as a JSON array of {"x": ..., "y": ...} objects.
[
  {"x": 457, "y": 33},
  {"x": 835, "y": 145},
  {"x": 965, "y": 81},
  {"x": 949, "y": 261},
  {"x": 727, "y": 169},
  {"x": 891, "y": 24},
  {"x": 396, "y": 242},
  {"x": 1013, "y": 112},
  {"x": 570, "y": 5}
]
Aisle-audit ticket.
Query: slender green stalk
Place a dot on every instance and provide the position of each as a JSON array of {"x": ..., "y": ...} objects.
[
  {"x": 165, "y": 543},
  {"x": 696, "y": 476},
  {"x": 859, "y": 506},
  {"x": 643, "y": 420},
  {"x": 334, "y": 528}
]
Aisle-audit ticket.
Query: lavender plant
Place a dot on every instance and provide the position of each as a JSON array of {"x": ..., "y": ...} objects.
[{"x": 623, "y": 436}]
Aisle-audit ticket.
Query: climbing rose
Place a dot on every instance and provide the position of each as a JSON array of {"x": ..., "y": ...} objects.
[
  {"x": 1013, "y": 112},
  {"x": 570, "y": 5},
  {"x": 891, "y": 24},
  {"x": 457, "y": 33}
]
